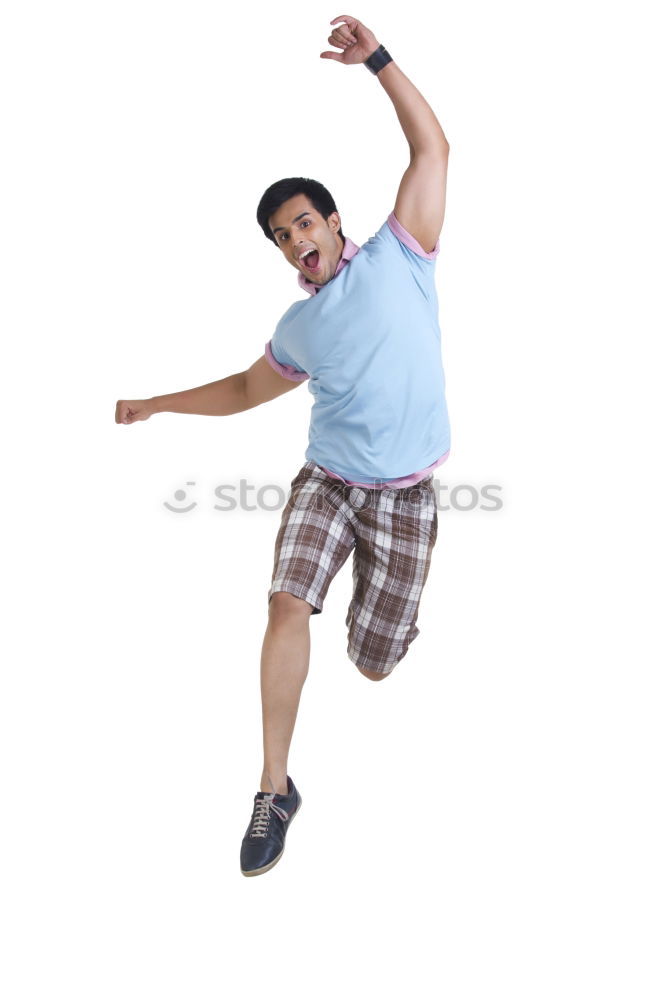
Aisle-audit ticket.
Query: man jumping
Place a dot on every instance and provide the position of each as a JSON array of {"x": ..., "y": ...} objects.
[{"x": 367, "y": 341}]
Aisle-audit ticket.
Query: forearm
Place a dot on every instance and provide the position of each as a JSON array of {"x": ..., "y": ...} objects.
[
  {"x": 419, "y": 123},
  {"x": 215, "y": 399}
]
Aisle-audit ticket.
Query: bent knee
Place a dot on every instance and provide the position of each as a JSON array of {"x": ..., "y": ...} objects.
[
  {"x": 372, "y": 663},
  {"x": 373, "y": 675},
  {"x": 373, "y": 655},
  {"x": 285, "y": 607}
]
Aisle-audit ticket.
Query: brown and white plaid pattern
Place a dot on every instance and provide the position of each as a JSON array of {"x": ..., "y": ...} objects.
[{"x": 392, "y": 532}]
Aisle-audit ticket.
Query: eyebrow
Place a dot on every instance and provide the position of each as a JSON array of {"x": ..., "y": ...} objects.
[{"x": 278, "y": 228}]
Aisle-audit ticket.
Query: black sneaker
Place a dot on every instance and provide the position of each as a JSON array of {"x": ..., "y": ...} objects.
[{"x": 263, "y": 843}]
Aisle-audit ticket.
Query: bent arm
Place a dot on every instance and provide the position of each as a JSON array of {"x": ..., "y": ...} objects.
[
  {"x": 423, "y": 132},
  {"x": 420, "y": 204},
  {"x": 421, "y": 199},
  {"x": 233, "y": 394}
]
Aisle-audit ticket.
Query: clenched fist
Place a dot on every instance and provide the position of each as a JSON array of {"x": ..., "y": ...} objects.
[{"x": 128, "y": 411}]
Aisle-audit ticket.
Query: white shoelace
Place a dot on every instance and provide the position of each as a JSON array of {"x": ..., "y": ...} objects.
[{"x": 262, "y": 813}]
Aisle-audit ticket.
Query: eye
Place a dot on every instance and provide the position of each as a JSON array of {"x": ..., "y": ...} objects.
[
  {"x": 284, "y": 236},
  {"x": 305, "y": 222}
]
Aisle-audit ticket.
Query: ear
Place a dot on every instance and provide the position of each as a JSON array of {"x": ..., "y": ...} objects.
[{"x": 334, "y": 222}]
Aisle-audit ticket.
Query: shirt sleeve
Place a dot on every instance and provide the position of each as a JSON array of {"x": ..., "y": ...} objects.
[
  {"x": 421, "y": 263},
  {"x": 409, "y": 241},
  {"x": 285, "y": 365}
]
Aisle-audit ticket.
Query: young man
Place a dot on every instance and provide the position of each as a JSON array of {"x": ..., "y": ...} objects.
[{"x": 367, "y": 341}]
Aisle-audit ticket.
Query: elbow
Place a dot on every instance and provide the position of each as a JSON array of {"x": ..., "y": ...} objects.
[
  {"x": 442, "y": 143},
  {"x": 242, "y": 393},
  {"x": 436, "y": 149}
]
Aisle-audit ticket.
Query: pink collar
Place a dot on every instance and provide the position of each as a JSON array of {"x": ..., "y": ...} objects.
[{"x": 349, "y": 250}]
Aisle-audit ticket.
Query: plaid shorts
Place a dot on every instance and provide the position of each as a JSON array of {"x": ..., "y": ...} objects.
[{"x": 392, "y": 532}]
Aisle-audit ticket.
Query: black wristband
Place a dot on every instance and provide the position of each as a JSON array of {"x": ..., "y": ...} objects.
[{"x": 378, "y": 60}]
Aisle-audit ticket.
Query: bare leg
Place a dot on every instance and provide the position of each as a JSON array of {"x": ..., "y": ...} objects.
[{"x": 285, "y": 657}]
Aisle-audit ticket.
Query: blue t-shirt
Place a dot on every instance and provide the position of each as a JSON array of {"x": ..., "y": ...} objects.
[{"x": 369, "y": 340}]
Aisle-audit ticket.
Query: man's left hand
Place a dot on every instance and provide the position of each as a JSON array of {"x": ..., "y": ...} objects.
[{"x": 356, "y": 41}]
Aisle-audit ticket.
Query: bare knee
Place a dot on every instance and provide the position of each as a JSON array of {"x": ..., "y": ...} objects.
[
  {"x": 372, "y": 675},
  {"x": 360, "y": 653},
  {"x": 287, "y": 609}
]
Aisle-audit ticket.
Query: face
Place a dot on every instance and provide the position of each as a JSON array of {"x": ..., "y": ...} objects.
[{"x": 298, "y": 228}]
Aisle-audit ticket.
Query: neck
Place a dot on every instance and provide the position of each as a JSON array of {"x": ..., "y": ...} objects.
[{"x": 339, "y": 254}]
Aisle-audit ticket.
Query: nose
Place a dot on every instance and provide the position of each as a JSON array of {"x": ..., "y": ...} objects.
[{"x": 299, "y": 241}]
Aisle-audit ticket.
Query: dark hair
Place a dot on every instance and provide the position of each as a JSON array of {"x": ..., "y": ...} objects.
[{"x": 281, "y": 191}]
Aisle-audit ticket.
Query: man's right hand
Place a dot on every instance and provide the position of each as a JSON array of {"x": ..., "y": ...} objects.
[{"x": 128, "y": 411}]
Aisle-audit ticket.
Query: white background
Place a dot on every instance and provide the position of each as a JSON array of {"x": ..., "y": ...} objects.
[{"x": 489, "y": 821}]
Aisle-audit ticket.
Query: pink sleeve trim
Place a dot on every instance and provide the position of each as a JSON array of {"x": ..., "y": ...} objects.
[
  {"x": 401, "y": 233},
  {"x": 287, "y": 371}
]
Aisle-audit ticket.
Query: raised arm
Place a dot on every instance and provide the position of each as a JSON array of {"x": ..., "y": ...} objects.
[
  {"x": 421, "y": 199},
  {"x": 232, "y": 394}
]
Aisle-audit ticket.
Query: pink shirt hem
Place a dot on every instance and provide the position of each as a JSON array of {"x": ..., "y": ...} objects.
[{"x": 399, "y": 484}]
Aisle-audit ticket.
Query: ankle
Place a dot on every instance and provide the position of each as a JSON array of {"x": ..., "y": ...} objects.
[{"x": 279, "y": 781}]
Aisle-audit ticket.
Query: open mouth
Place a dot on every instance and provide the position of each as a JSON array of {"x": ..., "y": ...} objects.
[{"x": 311, "y": 261}]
